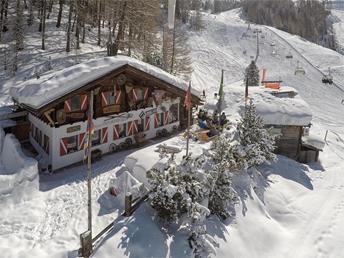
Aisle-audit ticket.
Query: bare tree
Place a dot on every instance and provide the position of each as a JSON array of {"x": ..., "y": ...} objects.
[{"x": 69, "y": 25}]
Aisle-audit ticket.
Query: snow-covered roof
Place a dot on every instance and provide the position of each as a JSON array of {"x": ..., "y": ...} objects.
[
  {"x": 281, "y": 111},
  {"x": 313, "y": 141},
  {"x": 36, "y": 93}
]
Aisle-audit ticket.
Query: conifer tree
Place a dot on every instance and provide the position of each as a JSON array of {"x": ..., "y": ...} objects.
[
  {"x": 257, "y": 142},
  {"x": 252, "y": 74},
  {"x": 228, "y": 159},
  {"x": 202, "y": 244}
]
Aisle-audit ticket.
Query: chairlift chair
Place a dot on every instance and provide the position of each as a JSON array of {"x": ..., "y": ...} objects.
[
  {"x": 328, "y": 78},
  {"x": 289, "y": 56},
  {"x": 299, "y": 69}
]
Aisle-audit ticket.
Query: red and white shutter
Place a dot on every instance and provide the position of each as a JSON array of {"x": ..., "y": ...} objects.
[
  {"x": 81, "y": 141},
  {"x": 135, "y": 126},
  {"x": 146, "y": 93},
  {"x": 166, "y": 116},
  {"x": 116, "y": 132},
  {"x": 83, "y": 101},
  {"x": 104, "y": 135},
  {"x": 135, "y": 95},
  {"x": 130, "y": 128},
  {"x": 156, "y": 120},
  {"x": 68, "y": 105},
  {"x": 105, "y": 96},
  {"x": 147, "y": 123},
  {"x": 63, "y": 146},
  {"x": 118, "y": 97}
]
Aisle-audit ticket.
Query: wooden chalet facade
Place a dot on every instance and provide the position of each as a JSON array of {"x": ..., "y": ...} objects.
[
  {"x": 128, "y": 101},
  {"x": 289, "y": 141}
]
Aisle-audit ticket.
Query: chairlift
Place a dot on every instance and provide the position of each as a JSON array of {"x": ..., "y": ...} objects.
[
  {"x": 299, "y": 69},
  {"x": 289, "y": 56},
  {"x": 327, "y": 78}
]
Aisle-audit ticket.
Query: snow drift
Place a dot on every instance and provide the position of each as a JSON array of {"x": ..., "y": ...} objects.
[{"x": 18, "y": 173}]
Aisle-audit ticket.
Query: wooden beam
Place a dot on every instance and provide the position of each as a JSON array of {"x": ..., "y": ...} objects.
[{"x": 47, "y": 115}]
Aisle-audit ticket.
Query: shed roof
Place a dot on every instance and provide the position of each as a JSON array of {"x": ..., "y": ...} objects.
[{"x": 281, "y": 111}]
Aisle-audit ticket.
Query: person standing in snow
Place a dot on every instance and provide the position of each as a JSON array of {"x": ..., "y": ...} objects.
[{"x": 223, "y": 119}]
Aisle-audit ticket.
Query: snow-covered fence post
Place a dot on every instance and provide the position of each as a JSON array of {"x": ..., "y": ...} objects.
[
  {"x": 86, "y": 244},
  {"x": 128, "y": 199}
]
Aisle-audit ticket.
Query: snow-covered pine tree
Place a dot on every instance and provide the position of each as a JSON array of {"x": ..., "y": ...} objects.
[
  {"x": 174, "y": 188},
  {"x": 228, "y": 159},
  {"x": 252, "y": 74},
  {"x": 257, "y": 142},
  {"x": 167, "y": 199},
  {"x": 202, "y": 244}
]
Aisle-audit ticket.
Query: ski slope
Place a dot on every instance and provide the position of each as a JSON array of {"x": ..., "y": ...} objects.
[
  {"x": 294, "y": 210},
  {"x": 301, "y": 214}
]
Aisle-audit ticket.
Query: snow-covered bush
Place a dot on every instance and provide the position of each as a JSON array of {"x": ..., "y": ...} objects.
[
  {"x": 169, "y": 200},
  {"x": 258, "y": 144}
]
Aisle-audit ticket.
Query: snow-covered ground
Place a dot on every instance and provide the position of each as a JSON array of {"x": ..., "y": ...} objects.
[{"x": 295, "y": 210}]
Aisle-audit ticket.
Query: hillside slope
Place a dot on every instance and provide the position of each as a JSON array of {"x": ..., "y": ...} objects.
[{"x": 294, "y": 210}]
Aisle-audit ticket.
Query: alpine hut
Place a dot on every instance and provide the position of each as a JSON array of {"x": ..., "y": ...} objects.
[{"x": 130, "y": 98}]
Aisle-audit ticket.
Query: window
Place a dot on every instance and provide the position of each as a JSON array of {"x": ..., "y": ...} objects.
[
  {"x": 139, "y": 94},
  {"x": 173, "y": 113},
  {"x": 161, "y": 119},
  {"x": 75, "y": 103},
  {"x": 158, "y": 120},
  {"x": 140, "y": 125},
  {"x": 119, "y": 131},
  {"x": 68, "y": 145},
  {"x": 96, "y": 138},
  {"x": 110, "y": 97}
]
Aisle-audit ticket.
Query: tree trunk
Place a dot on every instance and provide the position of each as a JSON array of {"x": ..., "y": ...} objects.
[
  {"x": 77, "y": 28},
  {"x": 59, "y": 16},
  {"x": 50, "y": 8},
  {"x": 83, "y": 31},
  {"x": 121, "y": 26},
  {"x": 43, "y": 23},
  {"x": 99, "y": 22},
  {"x": 69, "y": 25},
  {"x": 5, "y": 18},
  {"x": 40, "y": 15},
  {"x": 30, "y": 18},
  {"x": 173, "y": 48},
  {"x": 1, "y": 16}
]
